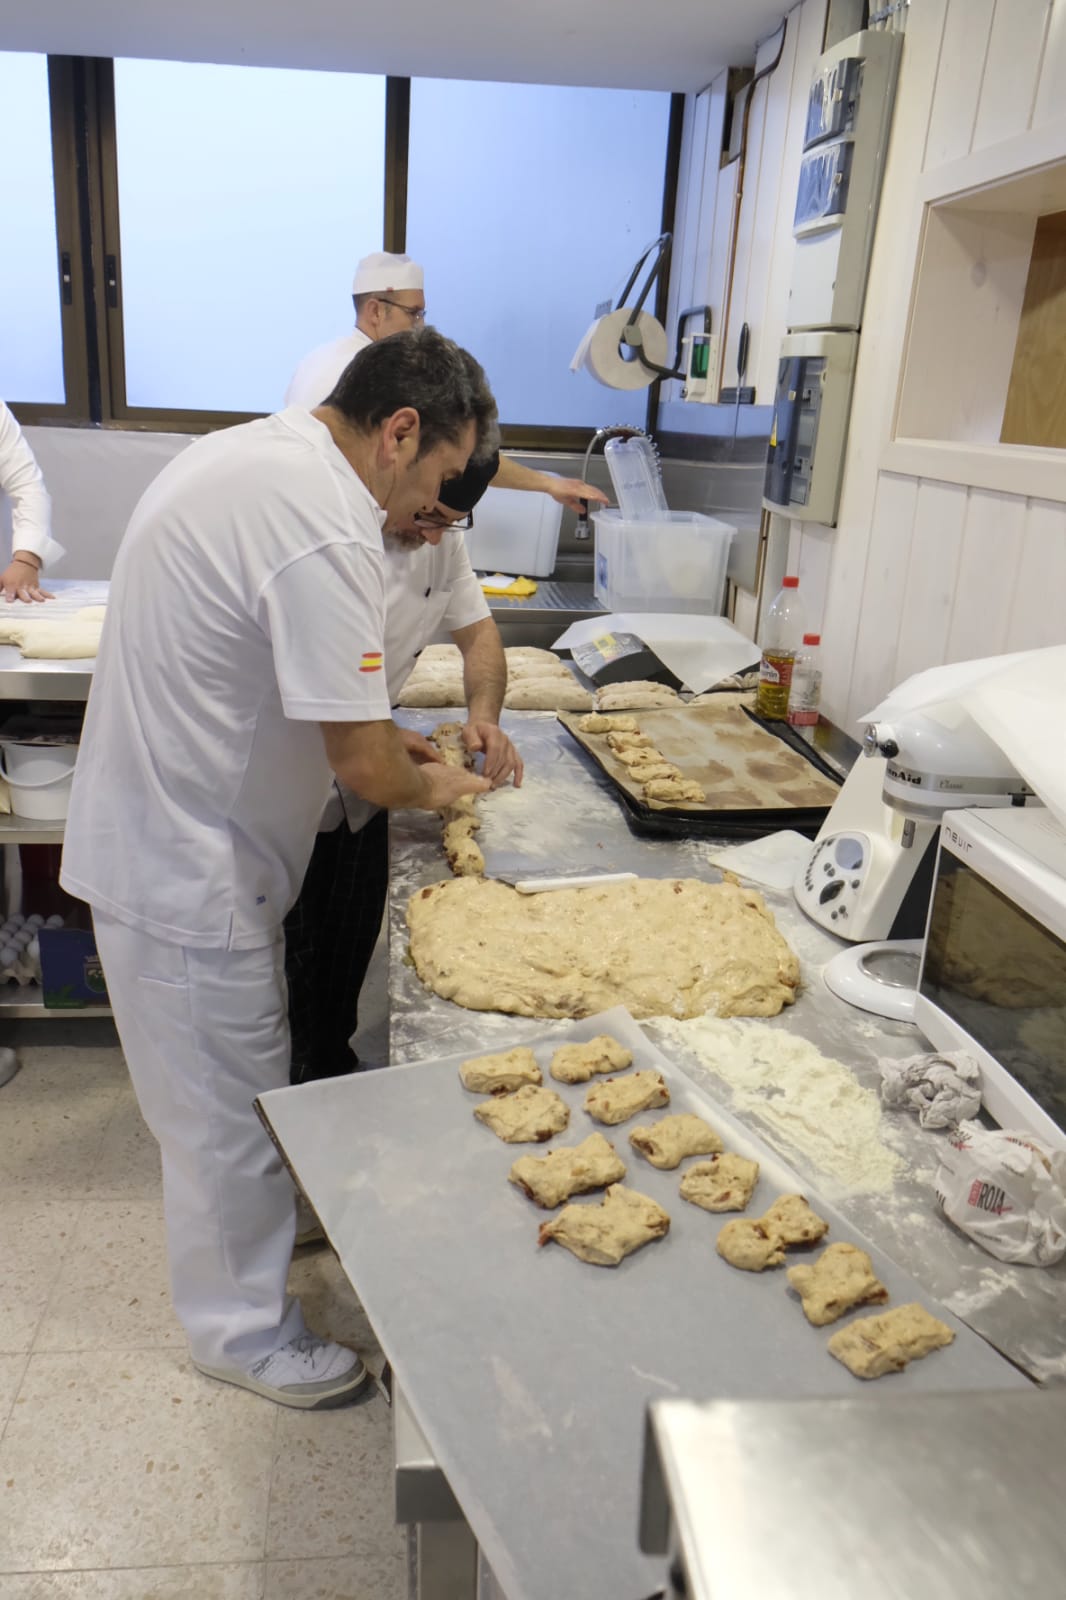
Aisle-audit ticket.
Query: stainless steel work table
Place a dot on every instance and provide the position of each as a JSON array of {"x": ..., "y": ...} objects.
[
  {"x": 951, "y": 1497},
  {"x": 50, "y": 680},
  {"x": 566, "y": 815}
]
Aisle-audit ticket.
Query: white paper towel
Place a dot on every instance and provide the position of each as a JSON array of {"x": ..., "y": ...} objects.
[
  {"x": 599, "y": 351},
  {"x": 1019, "y": 701}
]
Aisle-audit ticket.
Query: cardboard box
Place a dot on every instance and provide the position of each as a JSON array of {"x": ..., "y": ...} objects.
[{"x": 71, "y": 974}]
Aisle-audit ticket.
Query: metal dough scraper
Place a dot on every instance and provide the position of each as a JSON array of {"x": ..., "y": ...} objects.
[{"x": 544, "y": 882}]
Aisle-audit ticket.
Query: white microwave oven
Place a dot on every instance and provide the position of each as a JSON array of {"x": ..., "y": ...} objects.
[{"x": 993, "y": 970}]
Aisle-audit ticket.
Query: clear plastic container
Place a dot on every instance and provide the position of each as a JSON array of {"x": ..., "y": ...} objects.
[
  {"x": 782, "y": 637},
  {"x": 805, "y": 691},
  {"x": 636, "y": 478},
  {"x": 674, "y": 562}
]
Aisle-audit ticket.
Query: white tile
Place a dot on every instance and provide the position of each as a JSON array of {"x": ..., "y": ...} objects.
[
  {"x": 34, "y": 1242},
  {"x": 332, "y": 1493},
  {"x": 373, "y": 1577},
  {"x": 108, "y": 1458},
  {"x": 243, "y": 1582},
  {"x": 113, "y": 1289},
  {"x": 11, "y": 1371},
  {"x": 127, "y": 1162},
  {"x": 55, "y": 1113}
]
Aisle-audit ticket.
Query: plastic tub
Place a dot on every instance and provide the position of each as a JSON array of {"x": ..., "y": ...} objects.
[
  {"x": 675, "y": 563},
  {"x": 39, "y": 777},
  {"x": 517, "y": 534}
]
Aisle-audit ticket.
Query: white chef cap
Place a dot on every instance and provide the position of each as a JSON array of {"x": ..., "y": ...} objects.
[{"x": 381, "y": 271}]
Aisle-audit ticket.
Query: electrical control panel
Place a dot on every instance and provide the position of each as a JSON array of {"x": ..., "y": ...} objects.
[{"x": 810, "y": 425}]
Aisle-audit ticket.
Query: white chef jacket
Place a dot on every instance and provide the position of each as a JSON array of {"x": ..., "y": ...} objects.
[
  {"x": 20, "y": 478},
  {"x": 316, "y": 376},
  {"x": 429, "y": 591},
  {"x": 247, "y": 605}
]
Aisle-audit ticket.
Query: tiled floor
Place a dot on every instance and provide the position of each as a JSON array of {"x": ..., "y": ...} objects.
[{"x": 125, "y": 1474}]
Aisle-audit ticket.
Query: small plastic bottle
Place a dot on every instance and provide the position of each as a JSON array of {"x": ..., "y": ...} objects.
[
  {"x": 806, "y": 688},
  {"x": 782, "y": 635}
]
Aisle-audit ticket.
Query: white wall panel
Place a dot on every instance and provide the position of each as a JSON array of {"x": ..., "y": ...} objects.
[
  {"x": 987, "y": 574},
  {"x": 1038, "y": 612},
  {"x": 879, "y": 597},
  {"x": 1012, "y": 70},
  {"x": 932, "y": 574},
  {"x": 958, "y": 81},
  {"x": 1051, "y": 88}
]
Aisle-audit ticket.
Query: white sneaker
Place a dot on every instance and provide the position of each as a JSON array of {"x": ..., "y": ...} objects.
[{"x": 308, "y": 1372}]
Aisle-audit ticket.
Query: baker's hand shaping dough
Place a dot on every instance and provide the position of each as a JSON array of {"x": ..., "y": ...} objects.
[
  {"x": 667, "y": 1142},
  {"x": 843, "y": 1277},
  {"x": 603, "y": 1235},
  {"x": 551, "y": 1179},
  {"x": 618, "y": 1099}
]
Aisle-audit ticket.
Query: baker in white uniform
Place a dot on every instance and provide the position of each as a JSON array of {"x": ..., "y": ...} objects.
[
  {"x": 32, "y": 545},
  {"x": 331, "y": 931},
  {"x": 241, "y": 666},
  {"x": 388, "y": 293}
]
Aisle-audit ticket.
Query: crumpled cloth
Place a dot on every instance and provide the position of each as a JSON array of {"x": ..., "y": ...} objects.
[
  {"x": 515, "y": 588},
  {"x": 944, "y": 1090}
]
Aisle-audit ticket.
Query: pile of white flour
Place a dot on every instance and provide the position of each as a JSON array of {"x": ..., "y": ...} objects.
[{"x": 804, "y": 1099}]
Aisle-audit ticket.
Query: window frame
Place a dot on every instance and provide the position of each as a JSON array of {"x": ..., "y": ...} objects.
[{"x": 85, "y": 171}]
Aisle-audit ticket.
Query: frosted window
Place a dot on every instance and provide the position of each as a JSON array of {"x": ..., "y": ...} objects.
[
  {"x": 31, "y": 335},
  {"x": 527, "y": 206},
  {"x": 246, "y": 196}
]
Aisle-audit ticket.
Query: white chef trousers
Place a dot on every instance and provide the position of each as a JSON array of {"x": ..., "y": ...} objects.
[{"x": 204, "y": 1032}]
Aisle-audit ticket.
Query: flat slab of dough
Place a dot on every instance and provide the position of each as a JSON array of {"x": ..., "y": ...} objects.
[
  {"x": 843, "y": 1277},
  {"x": 596, "y": 722},
  {"x": 577, "y": 1063},
  {"x": 641, "y": 693},
  {"x": 747, "y": 1244},
  {"x": 725, "y": 1183},
  {"x": 605, "y": 1234},
  {"x": 528, "y": 1116},
  {"x": 755, "y": 1243},
  {"x": 674, "y": 947},
  {"x": 507, "y": 1069},
  {"x": 617, "y": 1099},
  {"x": 667, "y": 1142},
  {"x": 575, "y": 1169},
  {"x": 557, "y": 692},
  {"x": 873, "y": 1346}
]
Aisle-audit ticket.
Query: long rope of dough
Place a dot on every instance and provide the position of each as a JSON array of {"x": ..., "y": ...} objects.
[{"x": 460, "y": 820}]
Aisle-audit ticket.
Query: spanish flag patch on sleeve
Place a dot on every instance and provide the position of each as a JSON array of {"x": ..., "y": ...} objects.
[{"x": 372, "y": 661}]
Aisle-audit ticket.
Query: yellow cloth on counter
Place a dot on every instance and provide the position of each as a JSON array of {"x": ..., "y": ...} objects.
[{"x": 514, "y": 588}]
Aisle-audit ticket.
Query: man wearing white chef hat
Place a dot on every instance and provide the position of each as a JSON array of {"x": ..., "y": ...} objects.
[
  {"x": 388, "y": 292},
  {"x": 244, "y": 663}
]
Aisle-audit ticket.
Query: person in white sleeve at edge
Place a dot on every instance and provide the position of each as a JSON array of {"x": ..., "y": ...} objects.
[
  {"x": 389, "y": 296},
  {"x": 32, "y": 545},
  {"x": 241, "y": 665}
]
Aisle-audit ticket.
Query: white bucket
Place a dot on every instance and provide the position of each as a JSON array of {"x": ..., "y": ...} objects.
[{"x": 39, "y": 777}]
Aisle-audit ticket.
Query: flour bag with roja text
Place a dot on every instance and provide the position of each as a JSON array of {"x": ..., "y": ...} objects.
[{"x": 1007, "y": 1191}]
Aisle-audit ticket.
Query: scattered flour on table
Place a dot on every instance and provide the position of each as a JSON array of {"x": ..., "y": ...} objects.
[{"x": 808, "y": 1100}]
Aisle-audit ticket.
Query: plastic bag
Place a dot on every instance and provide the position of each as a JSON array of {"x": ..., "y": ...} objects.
[{"x": 1007, "y": 1191}]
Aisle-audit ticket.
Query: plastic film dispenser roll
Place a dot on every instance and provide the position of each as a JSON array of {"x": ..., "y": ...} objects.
[{"x": 601, "y": 351}]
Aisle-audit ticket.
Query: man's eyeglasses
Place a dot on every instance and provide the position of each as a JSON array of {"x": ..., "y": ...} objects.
[
  {"x": 417, "y": 314},
  {"x": 433, "y": 520}
]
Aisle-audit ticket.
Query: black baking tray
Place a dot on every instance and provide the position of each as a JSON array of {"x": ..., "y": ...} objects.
[{"x": 656, "y": 822}]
